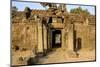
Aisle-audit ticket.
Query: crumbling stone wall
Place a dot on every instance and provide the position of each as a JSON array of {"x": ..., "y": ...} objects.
[
  {"x": 82, "y": 29},
  {"x": 92, "y": 36},
  {"x": 25, "y": 31},
  {"x": 32, "y": 31},
  {"x": 87, "y": 35},
  {"x": 24, "y": 35}
]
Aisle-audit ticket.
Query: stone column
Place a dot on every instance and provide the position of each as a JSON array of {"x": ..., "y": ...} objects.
[
  {"x": 48, "y": 38},
  {"x": 51, "y": 38},
  {"x": 70, "y": 37},
  {"x": 62, "y": 39},
  {"x": 40, "y": 38},
  {"x": 45, "y": 37}
]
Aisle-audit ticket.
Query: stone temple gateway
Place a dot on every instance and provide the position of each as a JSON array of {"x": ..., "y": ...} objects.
[{"x": 43, "y": 30}]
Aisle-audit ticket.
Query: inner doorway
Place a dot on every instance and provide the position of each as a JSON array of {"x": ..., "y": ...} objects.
[{"x": 56, "y": 38}]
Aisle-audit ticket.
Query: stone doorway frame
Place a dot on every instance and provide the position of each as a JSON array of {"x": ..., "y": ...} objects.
[{"x": 51, "y": 34}]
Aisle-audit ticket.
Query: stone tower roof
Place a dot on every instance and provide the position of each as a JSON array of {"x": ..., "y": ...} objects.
[{"x": 45, "y": 13}]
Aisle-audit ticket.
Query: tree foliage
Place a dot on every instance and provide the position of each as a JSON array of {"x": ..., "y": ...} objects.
[
  {"x": 27, "y": 9},
  {"x": 48, "y": 4},
  {"x": 79, "y": 10},
  {"x": 44, "y": 4},
  {"x": 14, "y": 8}
]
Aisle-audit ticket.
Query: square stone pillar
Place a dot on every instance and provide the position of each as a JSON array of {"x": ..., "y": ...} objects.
[
  {"x": 63, "y": 39},
  {"x": 49, "y": 38},
  {"x": 71, "y": 37},
  {"x": 40, "y": 38},
  {"x": 45, "y": 37}
]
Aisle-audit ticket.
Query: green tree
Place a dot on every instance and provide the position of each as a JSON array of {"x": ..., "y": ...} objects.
[
  {"x": 79, "y": 10},
  {"x": 27, "y": 11}
]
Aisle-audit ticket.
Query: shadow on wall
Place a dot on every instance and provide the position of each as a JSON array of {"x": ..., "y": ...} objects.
[{"x": 77, "y": 42}]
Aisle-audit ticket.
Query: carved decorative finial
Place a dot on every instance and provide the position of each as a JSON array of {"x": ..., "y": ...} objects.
[{"x": 62, "y": 7}]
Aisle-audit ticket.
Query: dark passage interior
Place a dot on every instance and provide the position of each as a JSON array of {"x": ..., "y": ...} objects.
[{"x": 56, "y": 38}]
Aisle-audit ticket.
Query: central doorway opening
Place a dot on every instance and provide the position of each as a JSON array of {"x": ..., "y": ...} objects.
[{"x": 56, "y": 38}]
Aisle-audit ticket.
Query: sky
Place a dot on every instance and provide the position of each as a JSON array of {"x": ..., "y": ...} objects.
[{"x": 21, "y": 6}]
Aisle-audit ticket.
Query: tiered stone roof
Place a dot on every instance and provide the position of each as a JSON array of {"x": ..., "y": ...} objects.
[{"x": 45, "y": 13}]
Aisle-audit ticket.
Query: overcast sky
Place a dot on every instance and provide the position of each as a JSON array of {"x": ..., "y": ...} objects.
[{"x": 32, "y": 5}]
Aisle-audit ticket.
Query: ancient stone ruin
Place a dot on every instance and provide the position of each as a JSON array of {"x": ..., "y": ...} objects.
[{"x": 40, "y": 31}]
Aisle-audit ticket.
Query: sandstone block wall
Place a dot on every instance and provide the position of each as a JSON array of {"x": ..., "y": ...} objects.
[
  {"x": 24, "y": 35},
  {"x": 87, "y": 35}
]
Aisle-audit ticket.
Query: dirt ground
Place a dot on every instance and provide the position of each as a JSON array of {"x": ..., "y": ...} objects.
[{"x": 57, "y": 55}]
